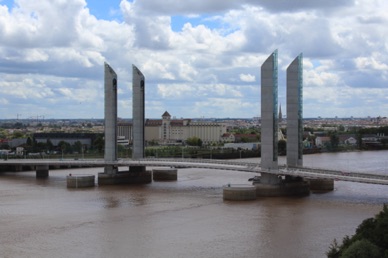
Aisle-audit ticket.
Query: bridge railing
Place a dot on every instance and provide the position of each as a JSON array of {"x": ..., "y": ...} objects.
[{"x": 336, "y": 175}]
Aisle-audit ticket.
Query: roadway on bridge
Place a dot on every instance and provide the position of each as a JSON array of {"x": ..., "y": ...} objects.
[{"x": 235, "y": 165}]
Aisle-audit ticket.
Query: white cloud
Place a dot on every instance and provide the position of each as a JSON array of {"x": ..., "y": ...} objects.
[
  {"x": 247, "y": 77},
  {"x": 55, "y": 50},
  {"x": 4, "y": 101}
]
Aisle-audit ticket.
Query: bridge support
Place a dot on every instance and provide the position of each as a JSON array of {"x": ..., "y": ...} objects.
[
  {"x": 165, "y": 174},
  {"x": 269, "y": 117},
  {"x": 239, "y": 192},
  {"x": 80, "y": 181},
  {"x": 288, "y": 186},
  {"x": 321, "y": 184},
  {"x": 42, "y": 171},
  {"x": 16, "y": 168},
  {"x": 138, "y": 112},
  {"x": 283, "y": 189},
  {"x": 271, "y": 184},
  {"x": 110, "y": 128},
  {"x": 125, "y": 177},
  {"x": 135, "y": 174}
]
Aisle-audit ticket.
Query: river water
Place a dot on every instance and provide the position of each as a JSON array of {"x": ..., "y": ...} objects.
[{"x": 186, "y": 218}]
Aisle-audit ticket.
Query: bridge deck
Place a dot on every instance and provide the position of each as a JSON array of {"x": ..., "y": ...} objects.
[{"x": 237, "y": 165}]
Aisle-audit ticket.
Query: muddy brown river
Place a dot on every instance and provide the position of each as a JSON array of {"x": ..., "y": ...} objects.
[{"x": 186, "y": 218}]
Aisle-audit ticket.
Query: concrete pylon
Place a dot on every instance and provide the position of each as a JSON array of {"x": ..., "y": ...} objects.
[
  {"x": 295, "y": 112},
  {"x": 110, "y": 83},
  {"x": 138, "y": 112},
  {"x": 269, "y": 118}
]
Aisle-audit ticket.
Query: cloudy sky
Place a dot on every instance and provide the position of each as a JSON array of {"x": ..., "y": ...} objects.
[{"x": 200, "y": 58}]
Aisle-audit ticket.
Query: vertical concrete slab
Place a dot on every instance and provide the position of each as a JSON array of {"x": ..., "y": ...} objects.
[
  {"x": 295, "y": 112},
  {"x": 110, "y": 80},
  {"x": 269, "y": 118},
  {"x": 138, "y": 112}
]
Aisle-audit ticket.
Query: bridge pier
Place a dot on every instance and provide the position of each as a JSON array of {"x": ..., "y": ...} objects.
[
  {"x": 135, "y": 175},
  {"x": 239, "y": 192},
  {"x": 80, "y": 181},
  {"x": 126, "y": 177},
  {"x": 321, "y": 184},
  {"x": 165, "y": 174},
  {"x": 288, "y": 186},
  {"x": 42, "y": 171},
  {"x": 110, "y": 170}
]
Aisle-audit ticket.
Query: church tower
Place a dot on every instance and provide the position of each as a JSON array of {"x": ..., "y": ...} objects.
[{"x": 280, "y": 114}]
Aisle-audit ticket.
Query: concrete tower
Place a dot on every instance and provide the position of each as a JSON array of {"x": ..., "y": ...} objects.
[
  {"x": 110, "y": 78},
  {"x": 295, "y": 112},
  {"x": 269, "y": 118},
  {"x": 138, "y": 88}
]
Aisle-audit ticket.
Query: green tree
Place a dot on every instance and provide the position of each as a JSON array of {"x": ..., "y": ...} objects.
[
  {"x": 370, "y": 240},
  {"x": 3, "y": 134},
  {"x": 334, "y": 140},
  {"x": 194, "y": 141},
  {"x": 49, "y": 145},
  {"x": 17, "y": 134},
  {"x": 99, "y": 143},
  {"x": 29, "y": 142},
  {"x": 244, "y": 139},
  {"x": 359, "y": 140},
  {"x": 65, "y": 147},
  {"x": 360, "y": 249},
  {"x": 77, "y": 146}
]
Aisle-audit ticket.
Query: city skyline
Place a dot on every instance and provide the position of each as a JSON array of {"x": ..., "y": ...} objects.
[{"x": 201, "y": 58}]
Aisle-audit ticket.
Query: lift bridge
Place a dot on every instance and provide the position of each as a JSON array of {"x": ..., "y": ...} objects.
[{"x": 238, "y": 166}]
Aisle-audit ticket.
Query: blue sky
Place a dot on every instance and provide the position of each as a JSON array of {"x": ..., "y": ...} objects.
[
  {"x": 106, "y": 10},
  {"x": 200, "y": 58}
]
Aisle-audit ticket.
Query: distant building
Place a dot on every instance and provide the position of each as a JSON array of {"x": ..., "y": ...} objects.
[
  {"x": 245, "y": 138},
  {"x": 124, "y": 131},
  {"x": 347, "y": 139},
  {"x": 228, "y": 137},
  {"x": 86, "y": 139},
  {"x": 321, "y": 141},
  {"x": 243, "y": 146},
  {"x": 170, "y": 131}
]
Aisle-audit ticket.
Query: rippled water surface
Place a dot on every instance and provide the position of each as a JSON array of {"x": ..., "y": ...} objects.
[{"x": 186, "y": 218}]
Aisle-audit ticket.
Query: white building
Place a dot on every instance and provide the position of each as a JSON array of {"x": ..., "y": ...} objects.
[{"x": 170, "y": 131}]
